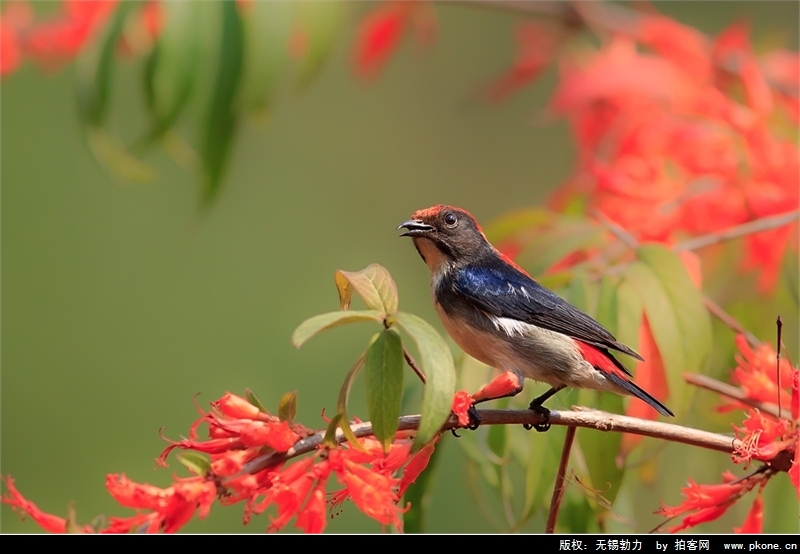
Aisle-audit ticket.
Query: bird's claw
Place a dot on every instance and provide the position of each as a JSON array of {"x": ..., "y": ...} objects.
[
  {"x": 544, "y": 413},
  {"x": 474, "y": 418}
]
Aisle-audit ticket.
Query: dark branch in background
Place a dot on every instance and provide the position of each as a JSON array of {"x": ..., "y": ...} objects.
[
  {"x": 734, "y": 393},
  {"x": 749, "y": 228},
  {"x": 579, "y": 417},
  {"x": 734, "y": 232},
  {"x": 560, "y": 486},
  {"x": 599, "y": 16},
  {"x": 730, "y": 321}
]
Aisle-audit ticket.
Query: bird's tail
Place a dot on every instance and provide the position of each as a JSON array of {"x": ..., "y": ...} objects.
[{"x": 641, "y": 394}]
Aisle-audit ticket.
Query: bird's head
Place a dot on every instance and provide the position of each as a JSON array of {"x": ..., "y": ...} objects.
[{"x": 445, "y": 235}]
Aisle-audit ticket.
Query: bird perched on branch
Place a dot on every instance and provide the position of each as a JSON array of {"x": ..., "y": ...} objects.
[{"x": 501, "y": 316}]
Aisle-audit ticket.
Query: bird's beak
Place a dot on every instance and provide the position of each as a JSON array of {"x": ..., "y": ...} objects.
[{"x": 415, "y": 227}]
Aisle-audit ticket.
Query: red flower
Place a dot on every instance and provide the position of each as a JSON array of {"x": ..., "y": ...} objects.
[
  {"x": 312, "y": 518},
  {"x": 462, "y": 402},
  {"x": 537, "y": 46},
  {"x": 708, "y": 502},
  {"x": 48, "y": 522},
  {"x": 755, "y": 518},
  {"x": 380, "y": 32}
]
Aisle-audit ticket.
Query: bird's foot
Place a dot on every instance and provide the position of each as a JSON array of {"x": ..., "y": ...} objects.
[
  {"x": 474, "y": 421},
  {"x": 544, "y": 413}
]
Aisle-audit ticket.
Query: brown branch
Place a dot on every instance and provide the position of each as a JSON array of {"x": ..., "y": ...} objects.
[
  {"x": 560, "y": 485},
  {"x": 737, "y": 231},
  {"x": 730, "y": 321},
  {"x": 734, "y": 393},
  {"x": 579, "y": 417},
  {"x": 413, "y": 365}
]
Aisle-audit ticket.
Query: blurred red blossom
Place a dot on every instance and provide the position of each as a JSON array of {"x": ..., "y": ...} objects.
[{"x": 380, "y": 32}]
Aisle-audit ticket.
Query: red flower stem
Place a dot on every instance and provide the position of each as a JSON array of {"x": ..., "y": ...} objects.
[
  {"x": 560, "y": 485},
  {"x": 749, "y": 228},
  {"x": 734, "y": 393},
  {"x": 579, "y": 417}
]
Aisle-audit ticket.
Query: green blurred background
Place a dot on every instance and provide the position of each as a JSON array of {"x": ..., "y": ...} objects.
[{"x": 120, "y": 302}]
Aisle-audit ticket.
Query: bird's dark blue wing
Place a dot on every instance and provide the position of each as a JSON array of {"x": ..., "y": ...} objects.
[{"x": 501, "y": 290}]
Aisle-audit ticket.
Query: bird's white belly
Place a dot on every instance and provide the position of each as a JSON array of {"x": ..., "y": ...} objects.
[{"x": 528, "y": 350}]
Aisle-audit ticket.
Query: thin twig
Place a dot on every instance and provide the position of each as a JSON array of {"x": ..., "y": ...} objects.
[
  {"x": 413, "y": 365},
  {"x": 732, "y": 323},
  {"x": 560, "y": 485},
  {"x": 734, "y": 393},
  {"x": 579, "y": 417},
  {"x": 749, "y": 228},
  {"x": 623, "y": 235}
]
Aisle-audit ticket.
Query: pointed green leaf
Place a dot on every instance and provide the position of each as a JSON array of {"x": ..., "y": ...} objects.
[
  {"x": 600, "y": 450},
  {"x": 329, "y": 439},
  {"x": 320, "y": 21},
  {"x": 172, "y": 68},
  {"x": 383, "y": 375},
  {"x": 437, "y": 363},
  {"x": 678, "y": 318},
  {"x": 220, "y": 118},
  {"x": 549, "y": 246},
  {"x": 95, "y": 67},
  {"x": 314, "y": 325},
  {"x": 266, "y": 26},
  {"x": 373, "y": 284},
  {"x": 197, "y": 463},
  {"x": 287, "y": 406},
  {"x": 628, "y": 309},
  {"x": 253, "y": 399},
  {"x": 545, "y": 453},
  {"x": 347, "y": 384},
  {"x": 518, "y": 221}
]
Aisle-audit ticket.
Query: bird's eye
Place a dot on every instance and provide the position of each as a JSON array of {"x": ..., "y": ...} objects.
[{"x": 450, "y": 219}]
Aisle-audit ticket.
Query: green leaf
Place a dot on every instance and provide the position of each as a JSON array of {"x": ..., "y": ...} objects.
[
  {"x": 329, "y": 439},
  {"x": 437, "y": 363},
  {"x": 545, "y": 453},
  {"x": 582, "y": 293},
  {"x": 347, "y": 384},
  {"x": 287, "y": 406},
  {"x": 320, "y": 21},
  {"x": 197, "y": 463},
  {"x": 678, "y": 318},
  {"x": 95, "y": 67},
  {"x": 266, "y": 26},
  {"x": 606, "y": 312},
  {"x": 373, "y": 284},
  {"x": 172, "y": 68},
  {"x": 628, "y": 309},
  {"x": 600, "y": 450},
  {"x": 383, "y": 375},
  {"x": 220, "y": 118},
  {"x": 418, "y": 495},
  {"x": 549, "y": 246},
  {"x": 253, "y": 399},
  {"x": 510, "y": 224},
  {"x": 314, "y": 325}
]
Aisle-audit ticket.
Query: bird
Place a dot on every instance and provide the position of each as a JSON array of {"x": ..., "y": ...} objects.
[{"x": 501, "y": 316}]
